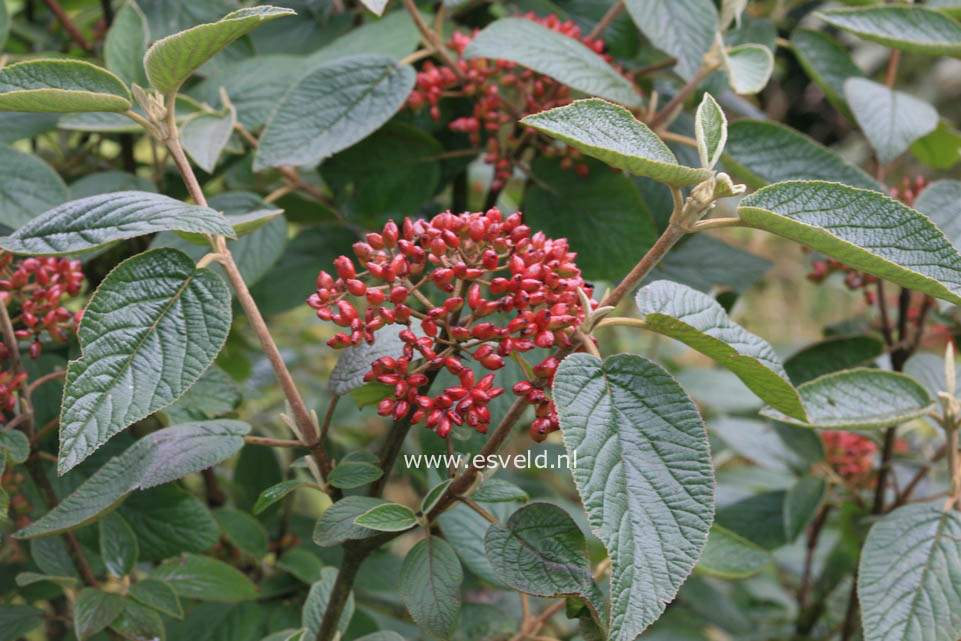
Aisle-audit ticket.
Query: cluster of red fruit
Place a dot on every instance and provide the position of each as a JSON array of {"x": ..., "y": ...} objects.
[
  {"x": 503, "y": 93},
  {"x": 501, "y": 290},
  {"x": 32, "y": 290},
  {"x": 851, "y": 455},
  {"x": 854, "y": 279}
]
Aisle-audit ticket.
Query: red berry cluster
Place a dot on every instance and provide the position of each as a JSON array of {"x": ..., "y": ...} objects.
[
  {"x": 851, "y": 455},
  {"x": 32, "y": 290},
  {"x": 480, "y": 286},
  {"x": 503, "y": 93}
]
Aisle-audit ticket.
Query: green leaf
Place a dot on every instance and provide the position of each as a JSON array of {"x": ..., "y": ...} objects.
[
  {"x": 683, "y": 29},
  {"x": 118, "y": 545},
  {"x": 387, "y": 517},
  {"x": 18, "y": 620},
  {"x": 94, "y": 610},
  {"x": 243, "y": 530},
  {"x": 704, "y": 263},
  {"x": 864, "y": 229},
  {"x": 206, "y": 135},
  {"x": 4, "y": 24},
  {"x": 28, "y": 186},
  {"x": 644, "y": 475},
  {"x": 748, "y": 67},
  {"x": 355, "y": 361},
  {"x": 699, "y": 321},
  {"x": 891, "y": 120},
  {"x": 827, "y": 63},
  {"x": 710, "y": 127},
  {"x": 168, "y": 521},
  {"x": 604, "y": 204},
  {"x": 159, "y": 457},
  {"x": 95, "y": 221},
  {"x": 859, "y": 399},
  {"x": 912, "y": 29},
  {"x": 832, "y": 355},
  {"x": 759, "y": 518},
  {"x": 499, "y": 491},
  {"x": 108, "y": 182},
  {"x": 613, "y": 135},
  {"x": 333, "y": 107},
  {"x": 730, "y": 556},
  {"x": 351, "y": 475},
  {"x": 302, "y": 564},
  {"x": 157, "y": 595},
  {"x": 254, "y": 85},
  {"x": 167, "y": 321},
  {"x": 336, "y": 524},
  {"x": 60, "y": 86},
  {"x": 29, "y": 578},
  {"x": 213, "y": 396},
  {"x": 800, "y": 505},
  {"x": 760, "y": 153},
  {"x": 245, "y": 211},
  {"x": 17, "y": 445},
  {"x": 126, "y": 43},
  {"x": 553, "y": 54},
  {"x": 430, "y": 499},
  {"x": 430, "y": 581},
  {"x": 173, "y": 59},
  {"x": 909, "y": 574},
  {"x": 205, "y": 579},
  {"x": 316, "y": 604},
  {"x": 541, "y": 551},
  {"x": 460, "y": 525},
  {"x": 940, "y": 149},
  {"x": 393, "y": 35},
  {"x": 139, "y": 623},
  {"x": 941, "y": 202},
  {"x": 276, "y": 492}
]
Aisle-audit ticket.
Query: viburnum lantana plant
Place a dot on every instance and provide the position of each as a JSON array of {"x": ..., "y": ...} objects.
[{"x": 364, "y": 322}]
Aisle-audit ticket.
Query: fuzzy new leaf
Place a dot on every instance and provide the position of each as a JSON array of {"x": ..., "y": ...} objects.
[{"x": 60, "y": 86}]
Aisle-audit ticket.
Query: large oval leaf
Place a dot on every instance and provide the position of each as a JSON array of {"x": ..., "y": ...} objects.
[
  {"x": 612, "y": 134},
  {"x": 941, "y": 202},
  {"x": 913, "y": 29},
  {"x": 909, "y": 577},
  {"x": 171, "y": 60},
  {"x": 683, "y": 29},
  {"x": 700, "y": 322},
  {"x": 827, "y": 63},
  {"x": 890, "y": 119},
  {"x": 316, "y": 605},
  {"x": 553, "y": 54},
  {"x": 331, "y": 108},
  {"x": 59, "y": 86},
  {"x": 88, "y": 223},
  {"x": 205, "y": 579},
  {"x": 159, "y": 457},
  {"x": 864, "y": 229},
  {"x": 430, "y": 580},
  {"x": 859, "y": 399},
  {"x": 126, "y": 43},
  {"x": 154, "y": 325},
  {"x": 731, "y": 556},
  {"x": 644, "y": 475},
  {"x": 28, "y": 186},
  {"x": 541, "y": 551}
]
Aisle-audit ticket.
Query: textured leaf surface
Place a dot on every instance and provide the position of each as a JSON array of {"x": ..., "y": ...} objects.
[
  {"x": 859, "y": 399},
  {"x": 126, "y": 43},
  {"x": 387, "y": 517},
  {"x": 94, "y": 611},
  {"x": 168, "y": 520},
  {"x": 760, "y": 153},
  {"x": 159, "y": 457},
  {"x": 748, "y": 67},
  {"x": 355, "y": 361},
  {"x": 864, "y": 229},
  {"x": 157, "y": 595},
  {"x": 316, "y": 604},
  {"x": 683, "y": 29},
  {"x": 700, "y": 322},
  {"x": 118, "y": 545},
  {"x": 205, "y": 579},
  {"x": 430, "y": 580},
  {"x": 832, "y": 355},
  {"x": 730, "y": 556},
  {"x": 60, "y": 86},
  {"x": 499, "y": 491},
  {"x": 542, "y": 552},
  {"x": 890, "y": 119},
  {"x": 909, "y": 577},
  {"x": 827, "y": 63},
  {"x": 153, "y": 327},
  {"x": 171, "y": 60},
  {"x": 333, "y": 107},
  {"x": 350, "y": 475},
  {"x": 553, "y": 54},
  {"x": 205, "y": 137},
  {"x": 336, "y": 524},
  {"x": 88, "y": 223},
  {"x": 213, "y": 396},
  {"x": 28, "y": 186},
  {"x": 913, "y": 29},
  {"x": 941, "y": 202},
  {"x": 644, "y": 475},
  {"x": 710, "y": 127},
  {"x": 613, "y": 135}
]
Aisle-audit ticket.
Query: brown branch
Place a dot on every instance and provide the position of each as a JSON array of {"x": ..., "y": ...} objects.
[
  {"x": 273, "y": 442},
  {"x": 654, "y": 66},
  {"x": 814, "y": 533},
  {"x": 659, "y": 118},
  {"x": 606, "y": 20},
  {"x": 68, "y": 25},
  {"x": 433, "y": 40}
]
